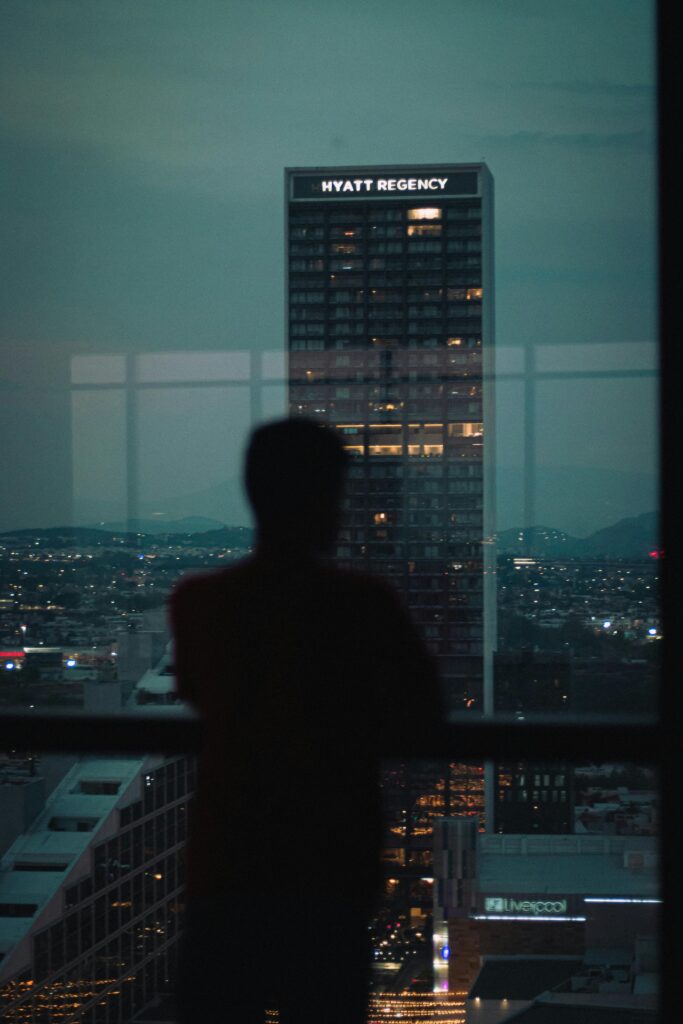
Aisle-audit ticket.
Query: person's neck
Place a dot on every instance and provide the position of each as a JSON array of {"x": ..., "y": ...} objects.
[{"x": 285, "y": 549}]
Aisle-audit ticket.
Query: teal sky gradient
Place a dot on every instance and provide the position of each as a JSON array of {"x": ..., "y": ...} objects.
[{"x": 143, "y": 151}]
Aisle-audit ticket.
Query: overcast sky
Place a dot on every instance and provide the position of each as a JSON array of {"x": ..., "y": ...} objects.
[{"x": 143, "y": 147}]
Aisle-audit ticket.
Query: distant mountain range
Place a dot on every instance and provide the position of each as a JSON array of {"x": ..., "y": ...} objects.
[
  {"x": 191, "y": 532},
  {"x": 634, "y": 537},
  {"x": 159, "y": 524}
]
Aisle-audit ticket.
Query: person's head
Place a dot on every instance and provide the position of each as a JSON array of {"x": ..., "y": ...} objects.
[{"x": 294, "y": 471}]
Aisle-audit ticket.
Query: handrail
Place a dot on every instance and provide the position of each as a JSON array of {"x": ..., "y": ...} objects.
[{"x": 178, "y": 731}]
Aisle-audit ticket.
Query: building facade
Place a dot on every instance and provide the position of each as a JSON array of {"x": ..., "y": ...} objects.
[
  {"x": 390, "y": 319},
  {"x": 91, "y": 893},
  {"x": 92, "y": 864},
  {"x": 533, "y": 798},
  {"x": 390, "y": 334},
  {"x": 527, "y": 895}
]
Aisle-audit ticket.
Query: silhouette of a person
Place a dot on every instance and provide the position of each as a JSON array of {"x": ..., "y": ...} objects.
[{"x": 302, "y": 673}]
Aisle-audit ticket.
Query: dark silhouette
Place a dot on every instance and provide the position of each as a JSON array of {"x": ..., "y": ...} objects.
[{"x": 303, "y": 673}]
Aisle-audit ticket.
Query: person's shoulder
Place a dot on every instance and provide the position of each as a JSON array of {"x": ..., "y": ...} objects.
[{"x": 199, "y": 588}]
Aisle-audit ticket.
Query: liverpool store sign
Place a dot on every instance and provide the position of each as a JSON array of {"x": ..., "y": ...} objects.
[{"x": 505, "y": 905}]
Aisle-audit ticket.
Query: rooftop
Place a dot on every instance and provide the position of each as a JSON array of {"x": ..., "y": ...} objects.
[
  {"x": 581, "y": 1010},
  {"x": 520, "y": 977},
  {"x": 600, "y": 865}
]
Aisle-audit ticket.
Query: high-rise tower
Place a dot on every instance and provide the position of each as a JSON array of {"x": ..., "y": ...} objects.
[{"x": 390, "y": 312}]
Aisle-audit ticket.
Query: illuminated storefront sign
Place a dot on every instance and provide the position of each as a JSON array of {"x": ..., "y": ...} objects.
[
  {"x": 389, "y": 185},
  {"x": 506, "y": 905}
]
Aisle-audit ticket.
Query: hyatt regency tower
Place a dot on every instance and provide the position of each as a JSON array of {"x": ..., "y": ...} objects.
[{"x": 390, "y": 318}]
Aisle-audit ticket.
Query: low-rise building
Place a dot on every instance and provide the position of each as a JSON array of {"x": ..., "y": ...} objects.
[{"x": 556, "y": 895}]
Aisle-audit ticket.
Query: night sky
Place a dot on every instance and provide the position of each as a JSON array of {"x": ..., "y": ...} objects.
[{"x": 143, "y": 147}]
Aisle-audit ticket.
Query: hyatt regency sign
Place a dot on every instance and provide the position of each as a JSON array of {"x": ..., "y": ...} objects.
[
  {"x": 390, "y": 185},
  {"x": 531, "y": 908}
]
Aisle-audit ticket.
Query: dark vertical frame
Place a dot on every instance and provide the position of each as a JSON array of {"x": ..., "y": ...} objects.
[{"x": 671, "y": 365}]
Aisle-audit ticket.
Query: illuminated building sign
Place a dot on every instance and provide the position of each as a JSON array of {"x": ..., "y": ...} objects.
[
  {"x": 390, "y": 185},
  {"x": 506, "y": 905}
]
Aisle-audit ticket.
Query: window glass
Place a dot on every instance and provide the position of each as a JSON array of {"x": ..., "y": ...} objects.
[{"x": 488, "y": 353}]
